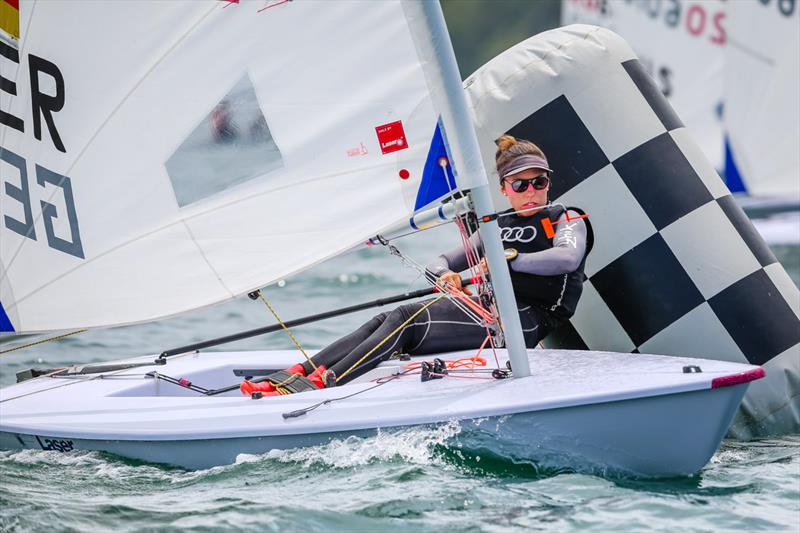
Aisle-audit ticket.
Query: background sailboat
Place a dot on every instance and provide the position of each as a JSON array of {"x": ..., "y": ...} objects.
[{"x": 732, "y": 72}]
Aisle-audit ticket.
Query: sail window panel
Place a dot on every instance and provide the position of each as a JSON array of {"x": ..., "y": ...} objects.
[{"x": 231, "y": 145}]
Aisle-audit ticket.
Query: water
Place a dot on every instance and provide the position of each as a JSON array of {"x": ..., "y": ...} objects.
[{"x": 419, "y": 479}]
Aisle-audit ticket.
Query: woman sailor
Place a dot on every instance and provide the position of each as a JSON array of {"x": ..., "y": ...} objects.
[{"x": 546, "y": 273}]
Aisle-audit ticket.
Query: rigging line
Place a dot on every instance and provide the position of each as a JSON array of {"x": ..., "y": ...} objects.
[
  {"x": 454, "y": 298},
  {"x": 285, "y": 328},
  {"x": 390, "y": 335},
  {"x": 50, "y": 388},
  {"x": 485, "y": 315},
  {"x": 414, "y": 232},
  {"x": 114, "y": 111},
  {"x": 305, "y": 410},
  {"x": 276, "y": 4},
  {"x": 76, "y": 380},
  {"x": 434, "y": 281},
  {"x": 57, "y": 337},
  {"x": 430, "y": 278},
  {"x": 480, "y": 316},
  {"x": 470, "y": 248},
  {"x": 89, "y": 378}
]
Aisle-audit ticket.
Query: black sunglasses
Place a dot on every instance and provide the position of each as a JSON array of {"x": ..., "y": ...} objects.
[{"x": 539, "y": 183}]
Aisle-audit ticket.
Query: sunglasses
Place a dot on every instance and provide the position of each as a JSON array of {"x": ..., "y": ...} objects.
[{"x": 538, "y": 183}]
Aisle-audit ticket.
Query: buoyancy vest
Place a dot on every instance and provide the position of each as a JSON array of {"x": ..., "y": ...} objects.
[{"x": 557, "y": 294}]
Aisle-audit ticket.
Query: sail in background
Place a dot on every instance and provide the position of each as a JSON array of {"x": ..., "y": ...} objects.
[
  {"x": 158, "y": 157},
  {"x": 731, "y": 69},
  {"x": 762, "y": 98},
  {"x": 681, "y": 45}
]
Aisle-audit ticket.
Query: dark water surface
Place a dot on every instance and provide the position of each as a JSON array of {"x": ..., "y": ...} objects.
[{"x": 416, "y": 479}]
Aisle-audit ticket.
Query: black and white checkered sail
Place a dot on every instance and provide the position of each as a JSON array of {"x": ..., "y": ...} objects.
[{"x": 677, "y": 267}]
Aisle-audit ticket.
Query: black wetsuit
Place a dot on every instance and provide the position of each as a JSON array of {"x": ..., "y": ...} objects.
[{"x": 541, "y": 264}]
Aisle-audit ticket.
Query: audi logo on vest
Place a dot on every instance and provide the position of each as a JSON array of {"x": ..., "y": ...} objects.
[{"x": 518, "y": 233}]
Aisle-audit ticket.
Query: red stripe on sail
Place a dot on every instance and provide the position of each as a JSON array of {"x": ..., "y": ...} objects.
[{"x": 13, "y": 3}]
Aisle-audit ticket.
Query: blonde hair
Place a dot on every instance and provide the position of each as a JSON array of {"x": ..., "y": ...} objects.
[{"x": 509, "y": 147}]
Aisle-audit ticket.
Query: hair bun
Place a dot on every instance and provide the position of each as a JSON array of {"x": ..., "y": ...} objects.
[{"x": 505, "y": 142}]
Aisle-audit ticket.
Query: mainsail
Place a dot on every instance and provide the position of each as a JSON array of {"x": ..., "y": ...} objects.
[{"x": 161, "y": 157}]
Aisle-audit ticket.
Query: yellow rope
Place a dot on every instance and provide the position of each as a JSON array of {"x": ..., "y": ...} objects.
[
  {"x": 390, "y": 335},
  {"x": 42, "y": 341},
  {"x": 286, "y": 329}
]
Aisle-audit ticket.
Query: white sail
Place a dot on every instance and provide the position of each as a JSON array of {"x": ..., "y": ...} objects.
[
  {"x": 732, "y": 72},
  {"x": 163, "y": 156},
  {"x": 762, "y": 98}
]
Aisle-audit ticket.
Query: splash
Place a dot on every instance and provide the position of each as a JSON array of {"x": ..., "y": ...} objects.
[
  {"x": 729, "y": 456},
  {"x": 415, "y": 445}
]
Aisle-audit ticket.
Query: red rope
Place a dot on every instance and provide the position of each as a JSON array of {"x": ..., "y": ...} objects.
[
  {"x": 469, "y": 302},
  {"x": 469, "y": 362}
]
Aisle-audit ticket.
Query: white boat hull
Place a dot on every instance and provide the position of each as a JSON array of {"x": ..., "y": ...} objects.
[{"x": 630, "y": 413}]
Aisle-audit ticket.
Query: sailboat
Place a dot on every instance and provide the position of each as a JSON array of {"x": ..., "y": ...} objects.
[
  {"x": 121, "y": 211},
  {"x": 732, "y": 71}
]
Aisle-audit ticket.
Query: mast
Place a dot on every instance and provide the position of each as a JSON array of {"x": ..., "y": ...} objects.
[{"x": 463, "y": 144}]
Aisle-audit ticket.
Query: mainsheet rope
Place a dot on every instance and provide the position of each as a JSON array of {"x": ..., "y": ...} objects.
[
  {"x": 473, "y": 262},
  {"x": 285, "y": 328},
  {"x": 473, "y": 310},
  {"x": 50, "y": 339},
  {"x": 457, "y": 297},
  {"x": 390, "y": 335}
]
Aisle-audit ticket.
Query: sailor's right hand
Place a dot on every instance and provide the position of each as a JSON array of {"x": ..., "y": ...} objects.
[{"x": 454, "y": 280}]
